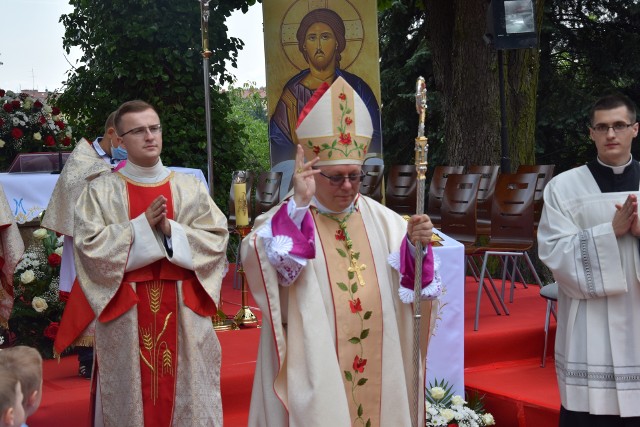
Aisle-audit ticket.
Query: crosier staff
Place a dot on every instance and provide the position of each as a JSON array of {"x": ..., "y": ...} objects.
[
  {"x": 421, "y": 149},
  {"x": 206, "y": 54}
]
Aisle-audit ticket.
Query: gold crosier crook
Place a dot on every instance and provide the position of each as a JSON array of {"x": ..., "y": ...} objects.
[{"x": 422, "y": 149}]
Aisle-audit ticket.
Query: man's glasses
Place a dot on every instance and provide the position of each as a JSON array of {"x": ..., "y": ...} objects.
[
  {"x": 338, "y": 180},
  {"x": 142, "y": 130},
  {"x": 617, "y": 127}
]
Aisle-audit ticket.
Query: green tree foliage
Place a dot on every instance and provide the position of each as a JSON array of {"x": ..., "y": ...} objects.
[
  {"x": 249, "y": 110},
  {"x": 588, "y": 48},
  {"x": 151, "y": 50}
]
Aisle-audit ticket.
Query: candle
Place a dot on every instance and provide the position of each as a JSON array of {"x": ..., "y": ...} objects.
[{"x": 240, "y": 196}]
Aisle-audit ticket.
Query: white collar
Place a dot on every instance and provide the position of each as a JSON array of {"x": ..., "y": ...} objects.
[
  {"x": 617, "y": 170},
  {"x": 152, "y": 174},
  {"x": 323, "y": 209}
]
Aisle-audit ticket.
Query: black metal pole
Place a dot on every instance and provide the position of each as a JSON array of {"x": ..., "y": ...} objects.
[{"x": 505, "y": 160}]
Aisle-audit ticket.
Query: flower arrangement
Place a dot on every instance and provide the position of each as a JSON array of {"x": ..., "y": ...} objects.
[
  {"x": 37, "y": 308},
  {"x": 30, "y": 125},
  {"x": 443, "y": 408}
]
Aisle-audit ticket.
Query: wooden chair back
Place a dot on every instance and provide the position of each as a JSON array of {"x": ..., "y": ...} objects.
[
  {"x": 485, "y": 194},
  {"x": 267, "y": 191},
  {"x": 401, "y": 189},
  {"x": 436, "y": 190},
  {"x": 371, "y": 184},
  {"x": 458, "y": 208}
]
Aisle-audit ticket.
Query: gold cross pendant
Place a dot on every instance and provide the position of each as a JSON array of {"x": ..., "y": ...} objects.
[{"x": 357, "y": 269}]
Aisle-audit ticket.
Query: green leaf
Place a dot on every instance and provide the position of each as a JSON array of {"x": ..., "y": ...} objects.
[
  {"x": 354, "y": 340},
  {"x": 368, "y": 423},
  {"x": 367, "y": 315},
  {"x": 354, "y": 288},
  {"x": 364, "y": 334},
  {"x": 342, "y": 286},
  {"x": 347, "y": 376},
  {"x": 351, "y": 275},
  {"x": 360, "y": 410},
  {"x": 342, "y": 253},
  {"x": 356, "y": 255},
  {"x": 362, "y": 381}
]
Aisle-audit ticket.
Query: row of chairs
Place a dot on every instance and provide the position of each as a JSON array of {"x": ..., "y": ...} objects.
[{"x": 515, "y": 205}]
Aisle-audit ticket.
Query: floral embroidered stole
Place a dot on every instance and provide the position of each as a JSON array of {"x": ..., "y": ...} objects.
[{"x": 358, "y": 312}]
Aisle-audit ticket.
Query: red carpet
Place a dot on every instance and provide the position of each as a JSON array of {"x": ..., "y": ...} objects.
[
  {"x": 502, "y": 359},
  {"x": 502, "y": 362}
]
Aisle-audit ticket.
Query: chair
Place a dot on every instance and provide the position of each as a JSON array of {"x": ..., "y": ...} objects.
[
  {"x": 485, "y": 195},
  {"x": 550, "y": 293},
  {"x": 371, "y": 185},
  {"x": 267, "y": 192},
  {"x": 436, "y": 189},
  {"x": 401, "y": 190},
  {"x": 286, "y": 167},
  {"x": 545, "y": 173},
  {"x": 511, "y": 231},
  {"x": 459, "y": 203}
]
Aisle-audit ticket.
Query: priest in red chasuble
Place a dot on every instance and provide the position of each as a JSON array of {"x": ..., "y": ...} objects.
[
  {"x": 150, "y": 248},
  {"x": 333, "y": 274}
]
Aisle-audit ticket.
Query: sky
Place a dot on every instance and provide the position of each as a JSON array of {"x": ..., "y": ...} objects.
[{"x": 32, "y": 55}]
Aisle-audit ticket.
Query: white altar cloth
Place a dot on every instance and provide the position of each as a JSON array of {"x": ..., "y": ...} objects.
[
  {"x": 29, "y": 193},
  {"x": 445, "y": 356}
]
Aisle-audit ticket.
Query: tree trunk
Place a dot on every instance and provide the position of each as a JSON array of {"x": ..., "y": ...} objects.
[
  {"x": 466, "y": 74},
  {"x": 522, "y": 70}
]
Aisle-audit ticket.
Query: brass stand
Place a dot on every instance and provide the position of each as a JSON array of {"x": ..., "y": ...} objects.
[{"x": 245, "y": 316}]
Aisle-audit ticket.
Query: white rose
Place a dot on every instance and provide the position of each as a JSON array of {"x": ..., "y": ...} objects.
[
  {"x": 39, "y": 304},
  {"x": 56, "y": 118},
  {"x": 47, "y": 108},
  {"x": 2, "y": 143},
  {"x": 37, "y": 136},
  {"x": 27, "y": 277},
  {"x": 15, "y": 121},
  {"x": 448, "y": 414},
  {"x": 58, "y": 251},
  {"x": 457, "y": 400},
  {"x": 437, "y": 393},
  {"x": 40, "y": 234},
  {"x": 488, "y": 420}
]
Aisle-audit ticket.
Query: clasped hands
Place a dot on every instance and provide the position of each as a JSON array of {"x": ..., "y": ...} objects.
[
  {"x": 626, "y": 217},
  {"x": 156, "y": 215}
]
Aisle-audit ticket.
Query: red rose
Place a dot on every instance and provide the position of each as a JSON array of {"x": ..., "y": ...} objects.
[
  {"x": 49, "y": 141},
  {"x": 15, "y": 103},
  {"x": 66, "y": 141},
  {"x": 55, "y": 111},
  {"x": 345, "y": 138},
  {"x": 355, "y": 305},
  {"x": 16, "y": 133},
  {"x": 60, "y": 124},
  {"x": 348, "y": 120},
  {"x": 8, "y": 107},
  {"x": 42, "y": 120},
  {"x": 37, "y": 105},
  {"x": 358, "y": 364},
  {"x": 51, "y": 331},
  {"x": 2, "y": 92},
  {"x": 316, "y": 149},
  {"x": 54, "y": 260},
  {"x": 340, "y": 235},
  {"x": 342, "y": 96}
]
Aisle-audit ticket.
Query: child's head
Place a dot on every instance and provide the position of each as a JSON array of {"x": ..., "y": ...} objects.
[
  {"x": 26, "y": 363},
  {"x": 11, "y": 410}
]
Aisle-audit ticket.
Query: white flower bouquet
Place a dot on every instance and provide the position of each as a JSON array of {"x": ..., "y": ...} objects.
[{"x": 443, "y": 408}]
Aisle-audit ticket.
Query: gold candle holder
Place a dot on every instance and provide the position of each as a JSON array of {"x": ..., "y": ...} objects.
[{"x": 244, "y": 317}]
